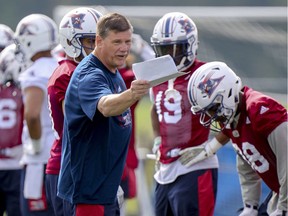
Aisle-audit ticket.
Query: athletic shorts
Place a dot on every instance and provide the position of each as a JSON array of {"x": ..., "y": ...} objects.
[
  {"x": 60, "y": 207},
  {"x": 191, "y": 194},
  {"x": 10, "y": 192}
]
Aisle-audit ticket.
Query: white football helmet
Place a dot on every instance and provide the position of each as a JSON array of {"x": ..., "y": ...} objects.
[
  {"x": 213, "y": 91},
  {"x": 36, "y": 33},
  {"x": 11, "y": 65},
  {"x": 6, "y": 36},
  {"x": 176, "y": 34},
  {"x": 76, "y": 24}
]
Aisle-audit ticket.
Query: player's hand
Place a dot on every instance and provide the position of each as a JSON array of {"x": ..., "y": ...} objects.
[
  {"x": 278, "y": 212},
  {"x": 192, "y": 155},
  {"x": 156, "y": 153},
  {"x": 14, "y": 152},
  {"x": 33, "y": 147},
  {"x": 139, "y": 88},
  {"x": 249, "y": 211},
  {"x": 156, "y": 144}
]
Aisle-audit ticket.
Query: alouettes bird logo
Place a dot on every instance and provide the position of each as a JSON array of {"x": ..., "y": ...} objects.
[
  {"x": 208, "y": 85},
  {"x": 186, "y": 25},
  {"x": 27, "y": 29},
  {"x": 76, "y": 21}
]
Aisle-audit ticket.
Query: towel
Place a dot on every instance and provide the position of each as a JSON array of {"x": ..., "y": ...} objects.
[{"x": 33, "y": 182}]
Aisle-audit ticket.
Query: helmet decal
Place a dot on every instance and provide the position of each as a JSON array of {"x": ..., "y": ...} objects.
[
  {"x": 186, "y": 25},
  {"x": 209, "y": 85},
  {"x": 25, "y": 29},
  {"x": 76, "y": 21}
]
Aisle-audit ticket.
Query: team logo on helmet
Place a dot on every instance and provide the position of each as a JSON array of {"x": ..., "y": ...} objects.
[
  {"x": 208, "y": 85},
  {"x": 186, "y": 25},
  {"x": 76, "y": 21},
  {"x": 25, "y": 29}
]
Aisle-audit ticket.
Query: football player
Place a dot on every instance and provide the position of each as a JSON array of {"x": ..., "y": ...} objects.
[
  {"x": 179, "y": 190},
  {"x": 11, "y": 125},
  {"x": 77, "y": 31},
  {"x": 36, "y": 36},
  {"x": 257, "y": 127}
]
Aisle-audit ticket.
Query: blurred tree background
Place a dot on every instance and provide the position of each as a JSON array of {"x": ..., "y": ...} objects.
[{"x": 13, "y": 10}]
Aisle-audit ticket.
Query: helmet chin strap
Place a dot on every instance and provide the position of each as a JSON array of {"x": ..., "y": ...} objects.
[
  {"x": 75, "y": 60},
  {"x": 82, "y": 54},
  {"x": 181, "y": 67},
  {"x": 181, "y": 64}
]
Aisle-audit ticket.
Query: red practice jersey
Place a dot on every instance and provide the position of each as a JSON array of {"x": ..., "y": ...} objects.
[
  {"x": 259, "y": 116},
  {"x": 57, "y": 86},
  {"x": 179, "y": 128},
  {"x": 11, "y": 116},
  {"x": 132, "y": 161}
]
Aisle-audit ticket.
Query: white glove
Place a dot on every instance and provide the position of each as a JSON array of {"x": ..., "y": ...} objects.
[
  {"x": 120, "y": 196},
  {"x": 156, "y": 153},
  {"x": 192, "y": 155},
  {"x": 14, "y": 152},
  {"x": 156, "y": 144},
  {"x": 278, "y": 212},
  {"x": 249, "y": 211},
  {"x": 33, "y": 148}
]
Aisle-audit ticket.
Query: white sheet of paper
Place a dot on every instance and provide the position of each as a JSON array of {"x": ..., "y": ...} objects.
[{"x": 156, "y": 70}]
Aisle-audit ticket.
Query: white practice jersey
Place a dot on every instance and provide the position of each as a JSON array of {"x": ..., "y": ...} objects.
[{"x": 38, "y": 75}]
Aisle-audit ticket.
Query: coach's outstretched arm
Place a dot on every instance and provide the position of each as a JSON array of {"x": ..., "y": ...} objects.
[{"x": 115, "y": 104}]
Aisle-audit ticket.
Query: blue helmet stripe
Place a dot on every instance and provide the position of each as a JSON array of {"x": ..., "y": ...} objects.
[
  {"x": 167, "y": 27},
  {"x": 52, "y": 30}
]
